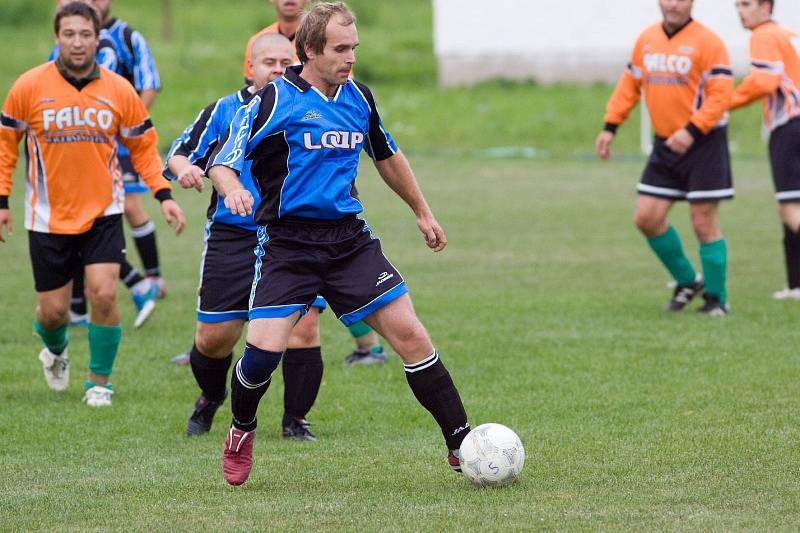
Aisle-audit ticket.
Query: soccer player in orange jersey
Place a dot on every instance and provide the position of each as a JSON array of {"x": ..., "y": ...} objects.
[
  {"x": 684, "y": 69},
  {"x": 289, "y": 14},
  {"x": 71, "y": 111},
  {"x": 775, "y": 80}
]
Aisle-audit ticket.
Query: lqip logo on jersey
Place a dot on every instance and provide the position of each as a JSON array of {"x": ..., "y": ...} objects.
[{"x": 349, "y": 140}]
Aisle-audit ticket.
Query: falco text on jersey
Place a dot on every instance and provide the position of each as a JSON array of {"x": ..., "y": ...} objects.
[{"x": 73, "y": 116}]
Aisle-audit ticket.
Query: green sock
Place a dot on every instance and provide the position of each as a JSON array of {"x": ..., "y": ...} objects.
[
  {"x": 359, "y": 329},
  {"x": 669, "y": 250},
  {"x": 88, "y": 385},
  {"x": 103, "y": 346},
  {"x": 376, "y": 349},
  {"x": 714, "y": 257},
  {"x": 56, "y": 340}
]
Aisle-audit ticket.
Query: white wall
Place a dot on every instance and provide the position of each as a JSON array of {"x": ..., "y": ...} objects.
[{"x": 565, "y": 40}]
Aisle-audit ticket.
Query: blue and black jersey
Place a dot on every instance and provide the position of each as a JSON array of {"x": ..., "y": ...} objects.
[
  {"x": 135, "y": 62},
  {"x": 304, "y": 147},
  {"x": 106, "y": 53},
  {"x": 199, "y": 140}
]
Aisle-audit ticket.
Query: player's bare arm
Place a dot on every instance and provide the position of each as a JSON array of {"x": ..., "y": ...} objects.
[
  {"x": 226, "y": 182},
  {"x": 173, "y": 214},
  {"x": 602, "y": 146},
  {"x": 397, "y": 174},
  {"x": 189, "y": 175},
  {"x": 148, "y": 96},
  {"x": 5, "y": 222}
]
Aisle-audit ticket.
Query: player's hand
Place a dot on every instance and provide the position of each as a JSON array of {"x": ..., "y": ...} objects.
[
  {"x": 240, "y": 202},
  {"x": 602, "y": 146},
  {"x": 192, "y": 177},
  {"x": 173, "y": 213},
  {"x": 5, "y": 221},
  {"x": 680, "y": 141},
  {"x": 433, "y": 232}
]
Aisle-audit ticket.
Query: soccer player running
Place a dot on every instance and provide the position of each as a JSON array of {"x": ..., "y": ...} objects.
[
  {"x": 304, "y": 133},
  {"x": 227, "y": 264},
  {"x": 134, "y": 63},
  {"x": 683, "y": 68},
  {"x": 289, "y": 15},
  {"x": 775, "y": 79},
  {"x": 71, "y": 112}
]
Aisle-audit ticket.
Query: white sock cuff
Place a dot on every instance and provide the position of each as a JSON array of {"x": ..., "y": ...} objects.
[
  {"x": 144, "y": 230},
  {"x": 422, "y": 365}
]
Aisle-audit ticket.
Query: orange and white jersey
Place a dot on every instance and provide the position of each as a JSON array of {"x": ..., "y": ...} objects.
[
  {"x": 774, "y": 76},
  {"x": 73, "y": 176},
  {"x": 686, "y": 78},
  {"x": 272, "y": 28}
]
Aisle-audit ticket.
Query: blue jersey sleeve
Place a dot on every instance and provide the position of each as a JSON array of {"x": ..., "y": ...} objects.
[
  {"x": 145, "y": 73},
  {"x": 379, "y": 145},
  {"x": 198, "y": 139},
  {"x": 252, "y": 123}
]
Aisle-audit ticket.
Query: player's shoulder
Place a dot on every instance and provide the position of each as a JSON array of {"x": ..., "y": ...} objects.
[
  {"x": 362, "y": 90},
  {"x": 654, "y": 30},
  {"x": 37, "y": 77},
  {"x": 700, "y": 30},
  {"x": 771, "y": 31}
]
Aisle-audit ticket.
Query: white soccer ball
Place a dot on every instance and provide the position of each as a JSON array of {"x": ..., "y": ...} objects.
[{"x": 491, "y": 455}]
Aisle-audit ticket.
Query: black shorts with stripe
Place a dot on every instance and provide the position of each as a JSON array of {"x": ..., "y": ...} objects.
[
  {"x": 57, "y": 258},
  {"x": 703, "y": 174},
  {"x": 784, "y": 155},
  {"x": 340, "y": 260}
]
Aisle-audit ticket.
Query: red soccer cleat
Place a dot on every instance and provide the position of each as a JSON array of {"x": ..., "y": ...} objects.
[
  {"x": 453, "y": 460},
  {"x": 237, "y": 458}
]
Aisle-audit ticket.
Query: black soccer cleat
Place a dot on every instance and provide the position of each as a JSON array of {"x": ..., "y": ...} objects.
[
  {"x": 202, "y": 416},
  {"x": 713, "y": 307},
  {"x": 683, "y": 295},
  {"x": 297, "y": 428}
]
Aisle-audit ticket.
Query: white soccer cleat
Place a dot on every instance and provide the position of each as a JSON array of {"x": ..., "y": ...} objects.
[
  {"x": 145, "y": 304},
  {"x": 98, "y": 396},
  {"x": 56, "y": 369},
  {"x": 786, "y": 294}
]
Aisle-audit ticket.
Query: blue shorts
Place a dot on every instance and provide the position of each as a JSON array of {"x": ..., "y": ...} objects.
[
  {"x": 226, "y": 274},
  {"x": 340, "y": 260}
]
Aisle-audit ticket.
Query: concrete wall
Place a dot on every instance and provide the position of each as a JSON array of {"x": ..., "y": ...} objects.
[{"x": 565, "y": 40}]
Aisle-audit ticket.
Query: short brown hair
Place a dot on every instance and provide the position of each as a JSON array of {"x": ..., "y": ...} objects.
[
  {"x": 312, "y": 30},
  {"x": 77, "y": 9}
]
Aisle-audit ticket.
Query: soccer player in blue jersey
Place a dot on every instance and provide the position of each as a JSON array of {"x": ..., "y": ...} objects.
[
  {"x": 227, "y": 264},
  {"x": 302, "y": 136}
]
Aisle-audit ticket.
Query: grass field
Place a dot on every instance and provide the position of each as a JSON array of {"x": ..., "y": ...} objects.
[{"x": 546, "y": 307}]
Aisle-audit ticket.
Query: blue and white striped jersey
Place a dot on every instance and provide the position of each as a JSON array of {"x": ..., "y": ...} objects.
[
  {"x": 135, "y": 62},
  {"x": 198, "y": 141},
  {"x": 106, "y": 53},
  {"x": 305, "y": 147}
]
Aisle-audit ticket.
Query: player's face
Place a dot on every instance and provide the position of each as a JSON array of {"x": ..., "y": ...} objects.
[
  {"x": 752, "y": 13},
  {"x": 336, "y": 61},
  {"x": 676, "y": 12},
  {"x": 270, "y": 63},
  {"x": 78, "y": 43},
  {"x": 289, "y": 9},
  {"x": 102, "y": 7}
]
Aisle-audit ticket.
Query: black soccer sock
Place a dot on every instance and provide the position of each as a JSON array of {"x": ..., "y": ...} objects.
[
  {"x": 129, "y": 275},
  {"x": 78, "y": 303},
  {"x": 302, "y": 377},
  {"x": 211, "y": 374},
  {"x": 791, "y": 252},
  {"x": 144, "y": 237},
  {"x": 249, "y": 381},
  {"x": 434, "y": 389}
]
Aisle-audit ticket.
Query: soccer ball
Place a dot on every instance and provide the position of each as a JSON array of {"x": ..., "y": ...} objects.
[{"x": 492, "y": 454}]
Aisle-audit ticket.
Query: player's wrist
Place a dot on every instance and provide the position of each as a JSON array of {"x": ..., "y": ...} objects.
[
  {"x": 3, "y": 202},
  {"x": 611, "y": 128},
  {"x": 164, "y": 195},
  {"x": 694, "y": 131}
]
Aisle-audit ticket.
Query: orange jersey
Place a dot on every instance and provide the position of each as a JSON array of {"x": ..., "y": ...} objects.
[
  {"x": 774, "y": 76},
  {"x": 73, "y": 176},
  {"x": 272, "y": 28},
  {"x": 686, "y": 78}
]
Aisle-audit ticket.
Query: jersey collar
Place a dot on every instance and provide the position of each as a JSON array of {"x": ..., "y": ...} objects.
[
  {"x": 292, "y": 75},
  {"x": 676, "y": 32},
  {"x": 78, "y": 83}
]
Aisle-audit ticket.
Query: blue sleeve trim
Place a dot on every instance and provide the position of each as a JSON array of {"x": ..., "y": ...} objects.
[{"x": 384, "y": 299}]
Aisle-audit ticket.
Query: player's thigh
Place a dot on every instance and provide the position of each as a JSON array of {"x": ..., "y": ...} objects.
[
  {"x": 217, "y": 339},
  {"x": 650, "y": 213},
  {"x": 397, "y": 322},
  {"x": 271, "y": 334},
  {"x": 305, "y": 333},
  {"x": 55, "y": 259}
]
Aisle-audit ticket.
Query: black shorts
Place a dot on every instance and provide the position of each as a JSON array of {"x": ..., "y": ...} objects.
[
  {"x": 56, "y": 258},
  {"x": 341, "y": 260},
  {"x": 226, "y": 274},
  {"x": 703, "y": 174},
  {"x": 784, "y": 155},
  {"x": 131, "y": 180}
]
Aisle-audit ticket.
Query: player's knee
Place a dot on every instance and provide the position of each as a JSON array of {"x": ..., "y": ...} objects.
[
  {"x": 305, "y": 333},
  {"x": 214, "y": 341},
  {"x": 645, "y": 222},
  {"x": 103, "y": 297},
  {"x": 53, "y": 315},
  {"x": 410, "y": 337}
]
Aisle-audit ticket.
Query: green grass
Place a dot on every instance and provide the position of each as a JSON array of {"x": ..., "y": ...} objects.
[{"x": 546, "y": 306}]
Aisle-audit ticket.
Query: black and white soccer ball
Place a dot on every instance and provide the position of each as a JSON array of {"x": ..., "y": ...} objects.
[{"x": 492, "y": 455}]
